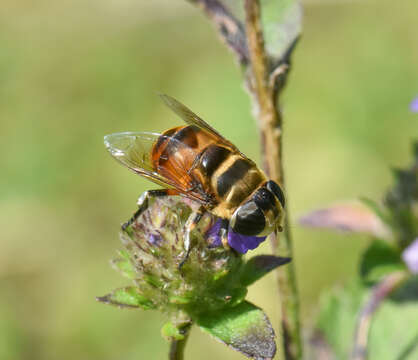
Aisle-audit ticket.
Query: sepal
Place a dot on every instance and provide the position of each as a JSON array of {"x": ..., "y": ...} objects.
[
  {"x": 258, "y": 266},
  {"x": 128, "y": 297},
  {"x": 123, "y": 265}
]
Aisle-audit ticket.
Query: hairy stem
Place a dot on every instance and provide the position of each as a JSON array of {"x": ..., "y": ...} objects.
[
  {"x": 262, "y": 84},
  {"x": 265, "y": 78}
]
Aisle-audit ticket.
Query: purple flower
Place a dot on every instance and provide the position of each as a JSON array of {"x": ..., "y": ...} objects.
[
  {"x": 414, "y": 105},
  {"x": 410, "y": 256},
  {"x": 239, "y": 242},
  {"x": 155, "y": 239}
]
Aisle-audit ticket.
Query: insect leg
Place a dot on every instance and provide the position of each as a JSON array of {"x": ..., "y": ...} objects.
[
  {"x": 190, "y": 226},
  {"x": 223, "y": 233},
  {"x": 143, "y": 203}
]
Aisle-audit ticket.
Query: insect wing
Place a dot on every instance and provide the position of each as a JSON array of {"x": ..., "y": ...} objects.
[
  {"x": 134, "y": 149},
  {"x": 189, "y": 117}
]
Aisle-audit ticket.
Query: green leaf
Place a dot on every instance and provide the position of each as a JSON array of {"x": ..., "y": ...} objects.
[
  {"x": 393, "y": 332},
  {"x": 386, "y": 341},
  {"x": 153, "y": 280},
  {"x": 232, "y": 296},
  {"x": 337, "y": 317},
  {"x": 282, "y": 22},
  {"x": 128, "y": 297},
  {"x": 124, "y": 266},
  {"x": 180, "y": 300},
  {"x": 380, "y": 259},
  {"x": 244, "y": 327},
  {"x": 258, "y": 266}
]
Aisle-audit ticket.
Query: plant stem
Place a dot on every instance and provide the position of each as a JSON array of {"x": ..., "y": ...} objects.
[
  {"x": 265, "y": 98},
  {"x": 265, "y": 78},
  {"x": 379, "y": 293},
  {"x": 177, "y": 348}
]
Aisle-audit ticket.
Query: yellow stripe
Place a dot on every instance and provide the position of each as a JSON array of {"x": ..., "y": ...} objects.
[{"x": 222, "y": 168}]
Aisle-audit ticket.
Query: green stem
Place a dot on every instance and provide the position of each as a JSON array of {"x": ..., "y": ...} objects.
[
  {"x": 177, "y": 348},
  {"x": 262, "y": 85},
  {"x": 265, "y": 79}
]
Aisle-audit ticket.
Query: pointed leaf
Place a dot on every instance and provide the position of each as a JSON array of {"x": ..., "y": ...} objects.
[
  {"x": 282, "y": 22},
  {"x": 258, "y": 266},
  {"x": 380, "y": 259},
  {"x": 128, "y": 297},
  {"x": 125, "y": 267},
  {"x": 244, "y": 327}
]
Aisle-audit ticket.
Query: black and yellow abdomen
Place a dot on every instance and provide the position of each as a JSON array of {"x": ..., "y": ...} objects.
[
  {"x": 227, "y": 176},
  {"x": 234, "y": 181}
]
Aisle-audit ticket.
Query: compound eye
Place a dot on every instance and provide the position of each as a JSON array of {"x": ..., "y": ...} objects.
[
  {"x": 277, "y": 191},
  {"x": 248, "y": 219}
]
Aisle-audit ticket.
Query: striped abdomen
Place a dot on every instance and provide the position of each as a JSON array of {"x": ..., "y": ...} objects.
[
  {"x": 233, "y": 178},
  {"x": 192, "y": 155}
]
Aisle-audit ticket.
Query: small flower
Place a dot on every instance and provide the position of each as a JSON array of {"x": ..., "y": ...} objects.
[
  {"x": 208, "y": 289},
  {"x": 410, "y": 256},
  {"x": 413, "y": 106},
  {"x": 238, "y": 242}
]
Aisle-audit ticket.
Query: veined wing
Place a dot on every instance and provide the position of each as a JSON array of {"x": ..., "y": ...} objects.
[
  {"x": 134, "y": 149},
  {"x": 190, "y": 118}
]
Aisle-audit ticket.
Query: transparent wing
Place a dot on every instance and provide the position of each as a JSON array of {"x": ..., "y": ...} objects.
[
  {"x": 134, "y": 149},
  {"x": 189, "y": 117}
]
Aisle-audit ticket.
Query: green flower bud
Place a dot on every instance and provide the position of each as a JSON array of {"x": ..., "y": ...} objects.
[{"x": 213, "y": 280}]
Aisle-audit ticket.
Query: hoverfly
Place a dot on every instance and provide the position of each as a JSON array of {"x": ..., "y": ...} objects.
[{"x": 195, "y": 161}]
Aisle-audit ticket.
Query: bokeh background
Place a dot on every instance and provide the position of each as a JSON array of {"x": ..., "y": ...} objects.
[{"x": 72, "y": 71}]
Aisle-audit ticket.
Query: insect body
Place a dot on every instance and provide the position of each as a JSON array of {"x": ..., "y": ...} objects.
[{"x": 195, "y": 161}]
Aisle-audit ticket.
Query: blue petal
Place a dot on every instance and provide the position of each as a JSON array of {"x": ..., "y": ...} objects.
[
  {"x": 243, "y": 243},
  {"x": 155, "y": 239},
  {"x": 239, "y": 242},
  {"x": 212, "y": 235}
]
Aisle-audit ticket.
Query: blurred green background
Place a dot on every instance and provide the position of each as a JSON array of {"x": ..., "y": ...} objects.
[{"x": 72, "y": 71}]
